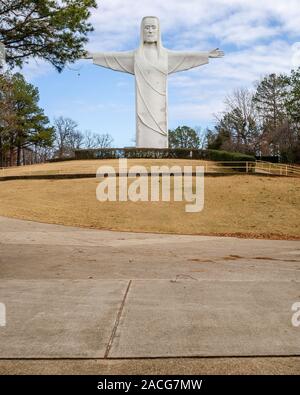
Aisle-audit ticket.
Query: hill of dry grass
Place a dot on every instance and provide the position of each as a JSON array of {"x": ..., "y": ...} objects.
[{"x": 242, "y": 205}]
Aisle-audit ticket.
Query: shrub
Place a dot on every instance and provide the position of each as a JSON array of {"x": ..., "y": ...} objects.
[
  {"x": 224, "y": 156},
  {"x": 162, "y": 153}
]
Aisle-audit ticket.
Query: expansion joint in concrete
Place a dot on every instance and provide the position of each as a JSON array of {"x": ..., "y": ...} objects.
[{"x": 115, "y": 327}]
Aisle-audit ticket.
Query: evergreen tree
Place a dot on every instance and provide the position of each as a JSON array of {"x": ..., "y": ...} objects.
[
  {"x": 53, "y": 30},
  {"x": 26, "y": 124},
  {"x": 183, "y": 137},
  {"x": 269, "y": 100}
]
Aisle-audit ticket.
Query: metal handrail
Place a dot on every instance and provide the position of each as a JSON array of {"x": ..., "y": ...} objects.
[
  {"x": 278, "y": 168},
  {"x": 280, "y": 164}
]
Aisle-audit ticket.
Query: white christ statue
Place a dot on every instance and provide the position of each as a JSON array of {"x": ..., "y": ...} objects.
[{"x": 151, "y": 63}]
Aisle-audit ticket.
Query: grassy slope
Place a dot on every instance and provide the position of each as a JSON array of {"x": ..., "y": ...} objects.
[
  {"x": 240, "y": 205},
  {"x": 91, "y": 166}
]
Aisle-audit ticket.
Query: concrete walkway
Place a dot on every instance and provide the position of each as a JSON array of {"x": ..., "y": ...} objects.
[{"x": 75, "y": 293}]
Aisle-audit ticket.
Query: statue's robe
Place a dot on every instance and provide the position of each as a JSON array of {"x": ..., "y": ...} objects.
[{"x": 151, "y": 87}]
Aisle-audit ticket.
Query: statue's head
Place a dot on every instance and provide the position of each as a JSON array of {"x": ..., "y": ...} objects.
[
  {"x": 150, "y": 29},
  {"x": 150, "y": 33}
]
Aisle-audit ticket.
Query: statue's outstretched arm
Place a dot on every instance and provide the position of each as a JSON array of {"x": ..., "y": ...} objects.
[
  {"x": 119, "y": 61},
  {"x": 179, "y": 61}
]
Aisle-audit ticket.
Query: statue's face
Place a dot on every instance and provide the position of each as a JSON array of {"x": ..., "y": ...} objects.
[{"x": 150, "y": 30}]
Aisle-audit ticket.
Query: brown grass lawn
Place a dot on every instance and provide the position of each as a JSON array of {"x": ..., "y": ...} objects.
[
  {"x": 91, "y": 166},
  {"x": 241, "y": 205}
]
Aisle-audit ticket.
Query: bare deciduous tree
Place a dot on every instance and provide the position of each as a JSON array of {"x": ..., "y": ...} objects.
[
  {"x": 67, "y": 136},
  {"x": 94, "y": 140}
]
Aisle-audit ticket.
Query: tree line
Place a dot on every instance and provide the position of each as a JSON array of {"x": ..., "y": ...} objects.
[
  {"x": 26, "y": 135},
  {"x": 264, "y": 121},
  {"x": 23, "y": 123},
  {"x": 55, "y": 31},
  {"x": 68, "y": 138}
]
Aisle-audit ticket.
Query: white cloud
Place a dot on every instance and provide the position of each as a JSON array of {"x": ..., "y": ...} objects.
[
  {"x": 231, "y": 21},
  {"x": 205, "y": 87},
  {"x": 34, "y": 69},
  {"x": 296, "y": 55},
  {"x": 257, "y": 37}
]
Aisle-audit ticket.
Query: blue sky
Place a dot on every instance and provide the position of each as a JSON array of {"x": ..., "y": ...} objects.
[{"x": 258, "y": 37}]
